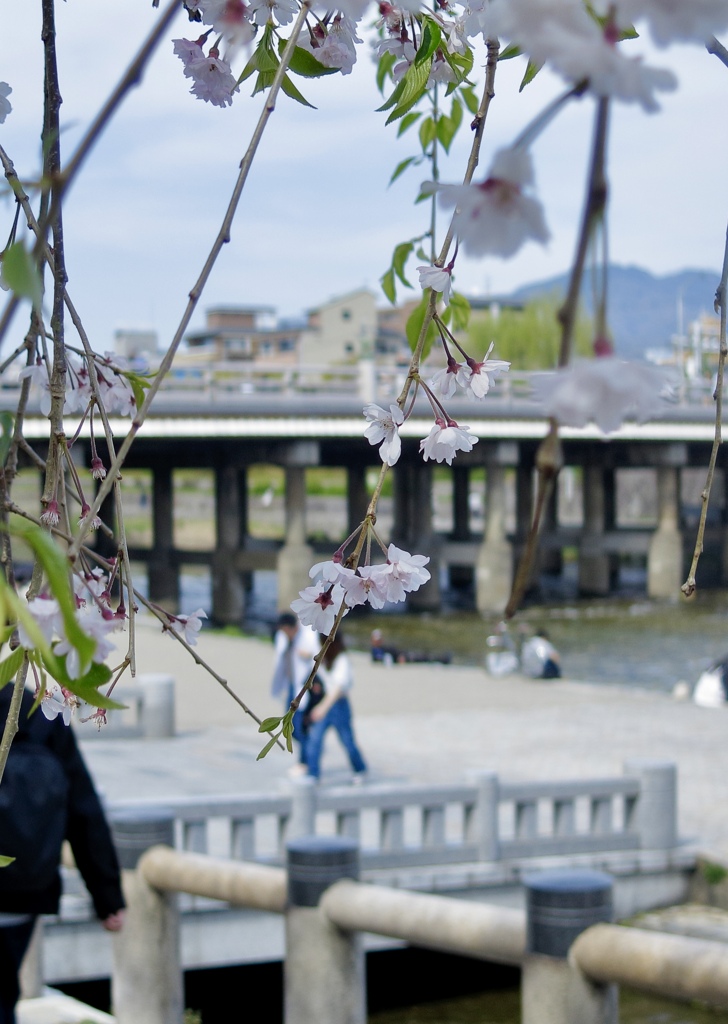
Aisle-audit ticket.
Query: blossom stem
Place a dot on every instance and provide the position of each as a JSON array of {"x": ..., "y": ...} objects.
[
  {"x": 13, "y": 719},
  {"x": 715, "y": 47},
  {"x": 721, "y": 306}
]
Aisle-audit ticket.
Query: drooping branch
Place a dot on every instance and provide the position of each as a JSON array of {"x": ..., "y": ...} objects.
[{"x": 721, "y": 307}]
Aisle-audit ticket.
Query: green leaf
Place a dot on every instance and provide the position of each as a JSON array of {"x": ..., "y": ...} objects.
[
  {"x": 402, "y": 167},
  {"x": 304, "y": 63},
  {"x": 460, "y": 311},
  {"x": 532, "y": 69},
  {"x": 470, "y": 99},
  {"x": 287, "y": 731},
  {"x": 7, "y": 424},
  {"x": 388, "y": 286},
  {"x": 414, "y": 326},
  {"x": 461, "y": 64},
  {"x": 4, "y": 861},
  {"x": 509, "y": 52},
  {"x": 55, "y": 568},
  {"x": 427, "y": 132},
  {"x": 414, "y": 87},
  {"x": 263, "y": 60},
  {"x": 431, "y": 39},
  {"x": 21, "y": 274},
  {"x": 384, "y": 69},
  {"x": 10, "y": 666},
  {"x": 290, "y": 90},
  {"x": 269, "y": 724},
  {"x": 402, "y": 253},
  {"x": 267, "y": 748},
  {"x": 407, "y": 121}
]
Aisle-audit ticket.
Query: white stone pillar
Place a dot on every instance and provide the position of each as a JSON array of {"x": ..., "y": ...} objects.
[
  {"x": 665, "y": 556},
  {"x": 494, "y": 568},
  {"x": 295, "y": 558},
  {"x": 593, "y": 560}
]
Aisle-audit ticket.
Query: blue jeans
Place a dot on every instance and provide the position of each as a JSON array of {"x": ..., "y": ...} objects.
[{"x": 339, "y": 716}]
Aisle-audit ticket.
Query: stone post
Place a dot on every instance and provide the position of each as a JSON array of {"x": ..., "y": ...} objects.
[
  {"x": 158, "y": 705},
  {"x": 424, "y": 540},
  {"x": 593, "y": 560},
  {"x": 665, "y": 556},
  {"x": 228, "y": 595},
  {"x": 295, "y": 558},
  {"x": 146, "y": 987},
  {"x": 494, "y": 567},
  {"x": 561, "y": 905},
  {"x": 302, "y": 821},
  {"x": 324, "y": 973},
  {"x": 485, "y": 816},
  {"x": 162, "y": 571},
  {"x": 654, "y": 814}
]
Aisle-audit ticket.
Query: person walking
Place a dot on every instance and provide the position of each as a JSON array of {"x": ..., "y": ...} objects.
[
  {"x": 46, "y": 796},
  {"x": 334, "y": 711},
  {"x": 296, "y": 646}
]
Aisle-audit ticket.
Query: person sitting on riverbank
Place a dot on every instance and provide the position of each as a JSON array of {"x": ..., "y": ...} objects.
[
  {"x": 392, "y": 655},
  {"x": 711, "y": 689},
  {"x": 539, "y": 657}
]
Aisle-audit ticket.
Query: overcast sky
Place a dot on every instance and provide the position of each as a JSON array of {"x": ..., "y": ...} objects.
[{"x": 317, "y": 219}]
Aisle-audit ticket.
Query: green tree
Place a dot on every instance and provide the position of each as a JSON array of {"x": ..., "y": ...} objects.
[{"x": 528, "y": 337}]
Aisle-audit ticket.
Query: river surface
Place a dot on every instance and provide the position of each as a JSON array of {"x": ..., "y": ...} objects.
[{"x": 626, "y": 640}]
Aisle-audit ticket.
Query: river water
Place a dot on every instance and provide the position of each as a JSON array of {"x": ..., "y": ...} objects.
[{"x": 624, "y": 640}]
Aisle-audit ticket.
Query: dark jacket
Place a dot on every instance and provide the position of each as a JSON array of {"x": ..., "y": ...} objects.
[{"x": 86, "y": 828}]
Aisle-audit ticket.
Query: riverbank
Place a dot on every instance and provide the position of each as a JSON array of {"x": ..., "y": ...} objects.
[{"x": 420, "y": 723}]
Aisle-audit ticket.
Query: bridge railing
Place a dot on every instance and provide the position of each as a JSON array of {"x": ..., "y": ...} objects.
[{"x": 399, "y": 826}]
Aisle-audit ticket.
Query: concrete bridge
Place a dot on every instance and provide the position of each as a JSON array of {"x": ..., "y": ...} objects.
[{"x": 300, "y": 420}]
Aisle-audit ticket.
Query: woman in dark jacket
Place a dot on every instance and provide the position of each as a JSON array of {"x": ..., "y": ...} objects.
[{"x": 46, "y": 778}]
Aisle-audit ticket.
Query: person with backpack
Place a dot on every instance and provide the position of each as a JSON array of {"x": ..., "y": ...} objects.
[{"x": 47, "y": 796}]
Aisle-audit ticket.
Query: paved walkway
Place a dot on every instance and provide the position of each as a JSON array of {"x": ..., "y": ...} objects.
[{"x": 419, "y": 723}]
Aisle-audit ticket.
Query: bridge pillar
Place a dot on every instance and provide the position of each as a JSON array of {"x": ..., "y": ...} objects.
[
  {"x": 494, "y": 567},
  {"x": 296, "y": 557},
  {"x": 594, "y": 574},
  {"x": 424, "y": 540},
  {"x": 403, "y": 485},
  {"x": 550, "y": 558},
  {"x": 461, "y": 575},
  {"x": 162, "y": 570},
  {"x": 228, "y": 592},
  {"x": 665, "y": 556},
  {"x": 357, "y": 497}
]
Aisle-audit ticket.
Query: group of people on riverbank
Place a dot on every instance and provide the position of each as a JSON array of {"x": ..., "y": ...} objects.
[
  {"x": 326, "y": 705},
  {"x": 534, "y": 654}
]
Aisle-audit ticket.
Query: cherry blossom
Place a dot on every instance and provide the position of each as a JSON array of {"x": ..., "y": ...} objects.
[
  {"x": 405, "y": 573},
  {"x": 213, "y": 80},
  {"x": 47, "y": 617},
  {"x": 479, "y": 377},
  {"x": 192, "y": 624},
  {"x": 58, "y": 701},
  {"x": 369, "y": 585},
  {"x": 330, "y": 571},
  {"x": 673, "y": 20},
  {"x": 561, "y": 33},
  {"x": 605, "y": 391},
  {"x": 318, "y": 606},
  {"x": 383, "y": 427},
  {"x": 445, "y": 439},
  {"x": 335, "y": 48},
  {"x": 52, "y": 515},
  {"x": 98, "y": 470},
  {"x": 477, "y": 17},
  {"x": 5, "y": 105},
  {"x": 38, "y": 376},
  {"x": 187, "y": 51},
  {"x": 282, "y": 11},
  {"x": 495, "y": 217},
  {"x": 83, "y": 519},
  {"x": 96, "y": 625},
  {"x": 445, "y": 382},
  {"x": 437, "y": 278}
]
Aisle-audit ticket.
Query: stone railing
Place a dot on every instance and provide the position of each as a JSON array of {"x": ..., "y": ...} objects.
[{"x": 399, "y": 826}]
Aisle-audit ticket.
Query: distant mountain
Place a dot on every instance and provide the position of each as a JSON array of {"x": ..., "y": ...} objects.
[{"x": 643, "y": 308}]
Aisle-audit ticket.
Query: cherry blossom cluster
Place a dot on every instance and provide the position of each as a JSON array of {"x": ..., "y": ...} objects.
[
  {"x": 114, "y": 388},
  {"x": 5, "y": 105},
  {"x": 336, "y": 584},
  {"x": 446, "y": 437}
]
